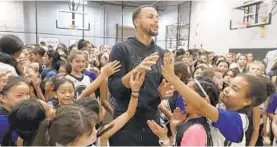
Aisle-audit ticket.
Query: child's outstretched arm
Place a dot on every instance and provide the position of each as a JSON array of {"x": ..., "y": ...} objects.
[{"x": 136, "y": 80}]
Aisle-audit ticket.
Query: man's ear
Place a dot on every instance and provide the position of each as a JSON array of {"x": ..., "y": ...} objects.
[{"x": 136, "y": 22}]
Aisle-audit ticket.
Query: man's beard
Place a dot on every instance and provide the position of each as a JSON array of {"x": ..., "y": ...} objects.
[{"x": 150, "y": 32}]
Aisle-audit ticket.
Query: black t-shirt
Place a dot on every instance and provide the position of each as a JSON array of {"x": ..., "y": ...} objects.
[{"x": 131, "y": 53}]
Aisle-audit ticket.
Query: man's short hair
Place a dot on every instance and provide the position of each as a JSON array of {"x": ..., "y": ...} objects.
[{"x": 137, "y": 12}]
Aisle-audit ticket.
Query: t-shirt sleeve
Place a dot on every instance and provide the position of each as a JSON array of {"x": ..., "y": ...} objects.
[
  {"x": 194, "y": 136},
  {"x": 230, "y": 125},
  {"x": 50, "y": 74},
  {"x": 272, "y": 104},
  {"x": 50, "y": 103},
  {"x": 180, "y": 104},
  {"x": 116, "y": 87}
]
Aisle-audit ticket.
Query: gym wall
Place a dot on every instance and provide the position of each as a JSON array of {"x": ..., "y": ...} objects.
[
  {"x": 102, "y": 18},
  {"x": 210, "y": 27}
]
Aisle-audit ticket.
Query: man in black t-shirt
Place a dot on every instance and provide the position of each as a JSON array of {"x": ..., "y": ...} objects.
[{"x": 138, "y": 53}]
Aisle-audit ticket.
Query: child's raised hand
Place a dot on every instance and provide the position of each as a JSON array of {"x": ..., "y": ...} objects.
[
  {"x": 166, "y": 90},
  {"x": 111, "y": 68},
  {"x": 146, "y": 64},
  {"x": 137, "y": 80},
  {"x": 168, "y": 67}
]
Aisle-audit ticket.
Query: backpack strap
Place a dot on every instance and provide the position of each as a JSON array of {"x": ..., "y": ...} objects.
[{"x": 202, "y": 121}]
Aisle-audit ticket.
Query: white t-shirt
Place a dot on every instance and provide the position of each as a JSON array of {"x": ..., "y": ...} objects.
[
  {"x": 80, "y": 83},
  {"x": 233, "y": 65},
  {"x": 7, "y": 68},
  {"x": 270, "y": 59}
]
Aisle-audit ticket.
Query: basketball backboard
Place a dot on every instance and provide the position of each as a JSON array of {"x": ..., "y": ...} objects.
[
  {"x": 252, "y": 13},
  {"x": 73, "y": 19}
]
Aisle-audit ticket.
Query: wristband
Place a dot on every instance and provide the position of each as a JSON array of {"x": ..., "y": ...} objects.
[
  {"x": 164, "y": 142},
  {"x": 135, "y": 91},
  {"x": 135, "y": 96}
]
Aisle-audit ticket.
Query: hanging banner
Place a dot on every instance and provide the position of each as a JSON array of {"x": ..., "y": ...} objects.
[{"x": 50, "y": 41}]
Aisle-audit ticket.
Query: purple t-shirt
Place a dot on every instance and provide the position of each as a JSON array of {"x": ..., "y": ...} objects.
[
  {"x": 180, "y": 103},
  {"x": 272, "y": 104}
]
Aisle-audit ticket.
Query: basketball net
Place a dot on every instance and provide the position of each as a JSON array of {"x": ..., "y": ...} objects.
[
  {"x": 242, "y": 24},
  {"x": 263, "y": 30},
  {"x": 73, "y": 29}
]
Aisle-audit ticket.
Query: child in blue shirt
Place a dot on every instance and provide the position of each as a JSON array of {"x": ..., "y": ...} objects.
[{"x": 244, "y": 93}]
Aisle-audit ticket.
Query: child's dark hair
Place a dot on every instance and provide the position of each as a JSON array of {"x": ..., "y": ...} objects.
[
  {"x": 90, "y": 103},
  {"x": 63, "y": 50},
  {"x": 99, "y": 59},
  {"x": 38, "y": 50},
  {"x": 235, "y": 73},
  {"x": 56, "y": 59},
  {"x": 42, "y": 43},
  {"x": 181, "y": 68},
  {"x": 67, "y": 66},
  {"x": 210, "y": 72},
  {"x": 190, "y": 51},
  {"x": 70, "y": 123},
  {"x": 72, "y": 46},
  {"x": 215, "y": 59},
  {"x": 200, "y": 67},
  {"x": 82, "y": 43},
  {"x": 224, "y": 61},
  {"x": 13, "y": 81},
  {"x": 8, "y": 59},
  {"x": 198, "y": 62},
  {"x": 259, "y": 89},
  {"x": 62, "y": 45},
  {"x": 209, "y": 87},
  {"x": 11, "y": 44},
  {"x": 24, "y": 119},
  {"x": 59, "y": 81},
  {"x": 241, "y": 55},
  {"x": 180, "y": 52}
]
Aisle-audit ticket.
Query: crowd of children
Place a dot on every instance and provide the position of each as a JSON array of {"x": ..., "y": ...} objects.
[
  {"x": 51, "y": 97},
  {"x": 59, "y": 96}
]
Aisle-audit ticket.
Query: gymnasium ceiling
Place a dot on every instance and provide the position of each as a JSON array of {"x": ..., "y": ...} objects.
[{"x": 133, "y": 3}]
